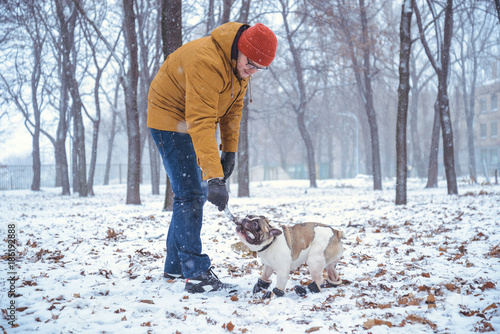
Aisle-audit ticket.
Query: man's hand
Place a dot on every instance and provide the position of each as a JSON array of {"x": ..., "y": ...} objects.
[
  {"x": 227, "y": 160},
  {"x": 217, "y": 193}
]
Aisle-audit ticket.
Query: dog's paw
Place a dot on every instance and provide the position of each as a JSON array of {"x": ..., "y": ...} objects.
[{"x": 260, "y": 286}]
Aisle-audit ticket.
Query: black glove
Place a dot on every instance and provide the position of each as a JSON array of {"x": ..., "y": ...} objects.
[
  {"x": 227, "y": 160},
  {"x": 217, "y": 193}
]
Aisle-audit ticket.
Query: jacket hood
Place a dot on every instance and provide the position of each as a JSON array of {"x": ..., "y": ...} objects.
[{"x": 224, "y": 36}]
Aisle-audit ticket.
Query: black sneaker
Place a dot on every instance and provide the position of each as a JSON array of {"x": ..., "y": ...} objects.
[
  {"x": 173, "y": 276},
  {"x": 207, "y": 282}
]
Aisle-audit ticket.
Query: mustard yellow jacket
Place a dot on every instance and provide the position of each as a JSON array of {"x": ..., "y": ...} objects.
[{"x": 195, "y": 89}]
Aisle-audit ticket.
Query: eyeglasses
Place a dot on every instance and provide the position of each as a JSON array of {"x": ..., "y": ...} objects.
[{"x": 253, "y": 67}]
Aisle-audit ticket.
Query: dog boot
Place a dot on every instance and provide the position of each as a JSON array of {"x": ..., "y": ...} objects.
[
  {"x": 276, "y": 291},
  {"x": 261, "y": 285},
  {"x": 314, "y": 288},
  {"x": 301, "y": 291}
]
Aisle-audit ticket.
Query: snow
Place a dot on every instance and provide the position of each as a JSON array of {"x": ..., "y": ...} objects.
[{"x": 94, "y": 265}]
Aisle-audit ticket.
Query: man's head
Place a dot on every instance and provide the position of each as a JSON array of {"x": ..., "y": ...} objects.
[{"x": 257, "y": 48}]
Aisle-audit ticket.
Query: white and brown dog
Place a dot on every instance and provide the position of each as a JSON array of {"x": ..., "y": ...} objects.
[{"x": 283, "y": 250}]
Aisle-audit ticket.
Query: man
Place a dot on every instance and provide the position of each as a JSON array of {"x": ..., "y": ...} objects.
[{"x": 200, "y": 85}]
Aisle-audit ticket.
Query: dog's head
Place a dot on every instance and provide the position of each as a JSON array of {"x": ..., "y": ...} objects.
[{"x": 255, "y": 230}]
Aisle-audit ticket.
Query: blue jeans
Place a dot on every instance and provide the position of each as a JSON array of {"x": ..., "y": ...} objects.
[{"x": 183, "y": 240}]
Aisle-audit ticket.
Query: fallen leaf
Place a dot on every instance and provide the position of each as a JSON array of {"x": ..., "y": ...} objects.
[
  {"x": 384, "y": 306},
  {"x": 416, "y": 318},
  {"x": 487, "y": 285},
  {"x": 492, "y": 306},
  {"x": 234, "y": 298},
  {"x": 147, "y": 301},
  {"x": 375, "y": 322},
  {"x": 199, "y": 311},
  {"x": 229, "y": 326},
  {"x": 313, "y": 329},
  {"x": 427, "y": 275}
]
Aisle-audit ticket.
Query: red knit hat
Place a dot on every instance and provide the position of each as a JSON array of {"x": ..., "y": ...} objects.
[{"x": 258, "y": 43}]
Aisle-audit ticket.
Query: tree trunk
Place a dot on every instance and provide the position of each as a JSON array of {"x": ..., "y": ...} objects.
[
  {"x": 95, "y": 130},
  {"x": 143, "y": 17},
  {"x": 301, "y": 107},
  {"x": 243, "y": 154},
  {"x": 432, "y": 177},
  {"x": 67, "y": 28},
  {"x": 418, "y": 160},
  {"x": 111, "y": 137},
  {"x": 130, "y": 90},
  {"x": 226, "y": 11},
  {"x": 171, "y": 33},
  {"x": 403, "y": 92},
  {"x": 243, "y": 143},
  {"x": 35, "y": 79},
  {"x": 370, "y": 110},
  {"x": 309, "y": 149},
  {"x": 61, "y": 158},
  {"x": 442, "y": 110},
  {"x": 444, "y": 104}
]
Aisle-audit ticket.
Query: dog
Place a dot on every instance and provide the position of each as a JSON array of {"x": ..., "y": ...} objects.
[{"x": 283, "y": 250}]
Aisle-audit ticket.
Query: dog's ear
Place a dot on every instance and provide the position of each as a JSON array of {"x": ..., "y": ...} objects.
[{"x": 274, "y": 232}]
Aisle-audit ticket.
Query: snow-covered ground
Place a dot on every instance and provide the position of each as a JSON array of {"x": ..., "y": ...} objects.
[{"x": 94, "y": 265}]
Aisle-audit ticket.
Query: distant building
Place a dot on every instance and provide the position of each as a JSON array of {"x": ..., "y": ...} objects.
[{"x": 486, "y": 126}]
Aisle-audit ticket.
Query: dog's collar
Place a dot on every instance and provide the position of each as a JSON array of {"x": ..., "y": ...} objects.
[{"x": 266, "y": 246}]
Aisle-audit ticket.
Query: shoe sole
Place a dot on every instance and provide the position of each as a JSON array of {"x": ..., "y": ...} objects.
[{"x": 173, "y": 276}]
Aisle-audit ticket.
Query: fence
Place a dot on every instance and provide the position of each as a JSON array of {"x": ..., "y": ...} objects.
[{"x": 21, "y": 177}]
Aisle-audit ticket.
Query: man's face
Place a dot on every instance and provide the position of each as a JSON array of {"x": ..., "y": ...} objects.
[{"x": 246, "y": 67}]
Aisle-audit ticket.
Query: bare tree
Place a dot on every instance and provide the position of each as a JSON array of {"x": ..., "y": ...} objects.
[
  {"x": 442, "y": 109},
  {"x": 149, "y": 38},
  {"x": 299, "y": 104},
  {"x": 129, "y": 84},
  {"x": 473, "y": 35},
  {"x": 112, "y": 131},
  {"x": 27, "y": 17},
  {"x": 497, "y": 6},
  {"x": 403, "y": 92},
  {"x": 96, "y": 120},
  {"x": 350, "y": 26},
  {"x": 130, "y": 90},
  {"x": 418, "y": 83},
  {"x": 66, "y": 15},
  {"x": 243, "y": 164},
  {"x": 171, "y": 34}
]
